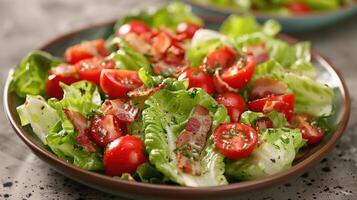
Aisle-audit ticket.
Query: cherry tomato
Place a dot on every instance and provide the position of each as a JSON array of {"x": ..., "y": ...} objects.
[
  {"x": 134, "y": 26},
  {"x": 86, "y": 49},
  {"x": 235, "y": 140},
  {"x": 124, "y": 155},
  {"x": 198, "y": 78},
  {"x": 90, "y": 68},
  {"x": 283, "y": 103},
  {"x": 64, "y": 73},
  {"x": 240, "y": 73},
  {"x": 265, "y": 87},
  {"x": 234, "y": 103},
  {"x": 221, "y": 58},
  {"x": 105, "y": 129},
  {"x": 220, "y": 85},
  {"x": 311, "y": 133},
  {"x": 186, "y": 30},
  {"x": 118, "y": 82},
  {"x": 299, "y": 8}
]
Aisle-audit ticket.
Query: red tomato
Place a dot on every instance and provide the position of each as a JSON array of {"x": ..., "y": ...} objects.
[
  {"x": 240, "y": 73},
  {"x": 186, "y": 30},
  {"x": 283, "y": 103},
  {"x": 299, "y": 8},
  {"x": 198, "y": 78},
  {"x": 235, "y": 140},
  {"x": 124, "y": 155},
  {"x": 234, "y": 103},
  {"x": 90, "y": 68},
  {"x": 222, "y": 58},
  {"x": 64, "y": 73},
  {"x": 175, "y": 55},
  {"x": 220, "y": 85},
  {"x": 105, "y": 129},
  {"x": 311, "y": 133},
  {"x": 134, "y": 26},
  {"x": 118, "y": 82},
  {"x": 86, "y": 49},
  {"x": 265, "y": 87}
]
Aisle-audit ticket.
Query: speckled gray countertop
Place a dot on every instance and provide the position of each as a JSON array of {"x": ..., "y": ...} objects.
[{"x": 25, "y": 25}]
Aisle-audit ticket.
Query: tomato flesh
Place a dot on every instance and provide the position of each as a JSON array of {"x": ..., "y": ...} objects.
[
  {"x": 86, "y": 49},
  {"x": 299, "y": 8},
  {"x": 221, "y": 58},
  {"x": 186, "y": 30},
  {"x": 64, "y": 73},
  {"x": 124, "y": 155},
  {"x": 311, "y": 133},
  {"x": 283, "y": 103},
  {"x": 198, "y": 78},
  {"x": 134, "y": 26},
  {"x": 234, "y": 103},
  {"x": 90, "y": 68},
  {"x": 235, "y": 140},
  {"x": 118, "y": 82}
]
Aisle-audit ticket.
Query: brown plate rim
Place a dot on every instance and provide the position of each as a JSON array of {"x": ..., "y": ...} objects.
[{"x": 121, "y": 186}]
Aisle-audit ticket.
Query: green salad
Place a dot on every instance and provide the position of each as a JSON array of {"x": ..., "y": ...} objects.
[
  {"x": 280, "y": 7},
  {"x": 166, "y": 101}
]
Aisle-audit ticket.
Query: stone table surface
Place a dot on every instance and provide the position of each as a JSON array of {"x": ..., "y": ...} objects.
[{"x": 25, "y": 25}]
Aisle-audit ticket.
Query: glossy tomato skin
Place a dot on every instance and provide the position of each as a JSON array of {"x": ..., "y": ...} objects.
[
  {"x": 186, "y": 30},
  {"x": 118, "y": 82},
  {"x": 64, "y": 73},
  {"x": 124, "y": 155},
  {"x": 299, "y": 8},
  {"x": 235, "y": 140},
  {"x": 89, "y": 69},
  {"x": 198, "y": 78},
  {"x": 240, "y": 73},
  {"x": 84, "y": 50},
  {"x": 134, "y": 26},
  {"x": 310, "y": 132},
  {"x": 283, "y": 103},
  {"x": 234, "y": 103},
  {"x": 105, "y": 129},
  {"x": 221, "y": 58}
]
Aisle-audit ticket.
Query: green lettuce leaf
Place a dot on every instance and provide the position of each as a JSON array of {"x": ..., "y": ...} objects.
[
  {"x": 275, "y": 154},
  {"x": 278, "y": 119},
  {"x": 323, "y": 4},
  {"x": 165, "y": 117},
  {"x": 31, "y": 75},
  {"x": 236, "y": 25}
]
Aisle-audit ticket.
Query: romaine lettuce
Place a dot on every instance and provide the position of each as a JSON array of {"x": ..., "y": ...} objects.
[{"x": 278, "y": 119}]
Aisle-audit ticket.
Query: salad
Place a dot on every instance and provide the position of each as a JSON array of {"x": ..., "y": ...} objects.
[
  {"x": 281, "y": 7},
  {"x": 164, "y": 100}
]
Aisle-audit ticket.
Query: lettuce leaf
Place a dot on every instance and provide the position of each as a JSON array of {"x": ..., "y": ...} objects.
[
  {"x": 278, "y": 119},
  {"x": 165, "y": 117},
  {"x": 31, "y": 75},
  {"x": 275, "y": 154}
]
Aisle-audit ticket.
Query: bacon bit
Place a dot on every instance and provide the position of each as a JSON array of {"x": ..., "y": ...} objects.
[
  {"x": 144, "y": 91},
  {"x": 222, "y": 86},
  {"x": 259, "y": 52},
  {"x": 122, "y": 110},
  {"x": 80, "y": 124},
  {"x": 266, "y": 87},
  {"x": 162, "y": 68},
  {"x": 139, "y": 43},
  {"x": 192, "y": 140},
  {"x": 263, "y": 123}
]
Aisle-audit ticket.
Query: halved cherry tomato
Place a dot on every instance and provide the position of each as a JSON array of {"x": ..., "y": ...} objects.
[
  {"x": 105, "y": 129},
  {"x": 220, "y": 85},
  {"x": 124, "y": 155},
  {"x": 64, "y": 73},
  {"x": 311, "y": 133},
  {"x": 186, "y": 30},
  {"x": 283, "y": 103},
  {"x": 240, "y": 73},
  {"x": 265, "y": 87},
  {"x": 90, "y": 68},
  {"x": 221, "y": 58},
  {"x": 299, "y": 8},
  {"x": 198, "y": 78},
  {"x": 134, "y": 26},
  {"x": 235, "y": 140},
  {"x": 118, "y": 82},
  {"x": 86, "y": 49},
  {"x": 234, "y": 103}
]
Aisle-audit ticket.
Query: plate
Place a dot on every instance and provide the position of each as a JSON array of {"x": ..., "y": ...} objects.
[
  {"x": 290, "y": 24},
  {"x": 326, "y": 74}
]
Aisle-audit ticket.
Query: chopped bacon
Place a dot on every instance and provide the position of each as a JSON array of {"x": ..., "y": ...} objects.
[
  {"x": 260, "y": 52},
  {"x": 144, "y": 91},
  {"x": 122, "y": 110},
  {"x": 263, "y": 123},
  {"x": 265, "y": 87},
  {"x": 105, "y": 129},
  {"x": 139, "y": 43},
  {"x": 192, "y": 140},
  {"x": 80, "y": 124},
  {"x": 162, "y": 68}
]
